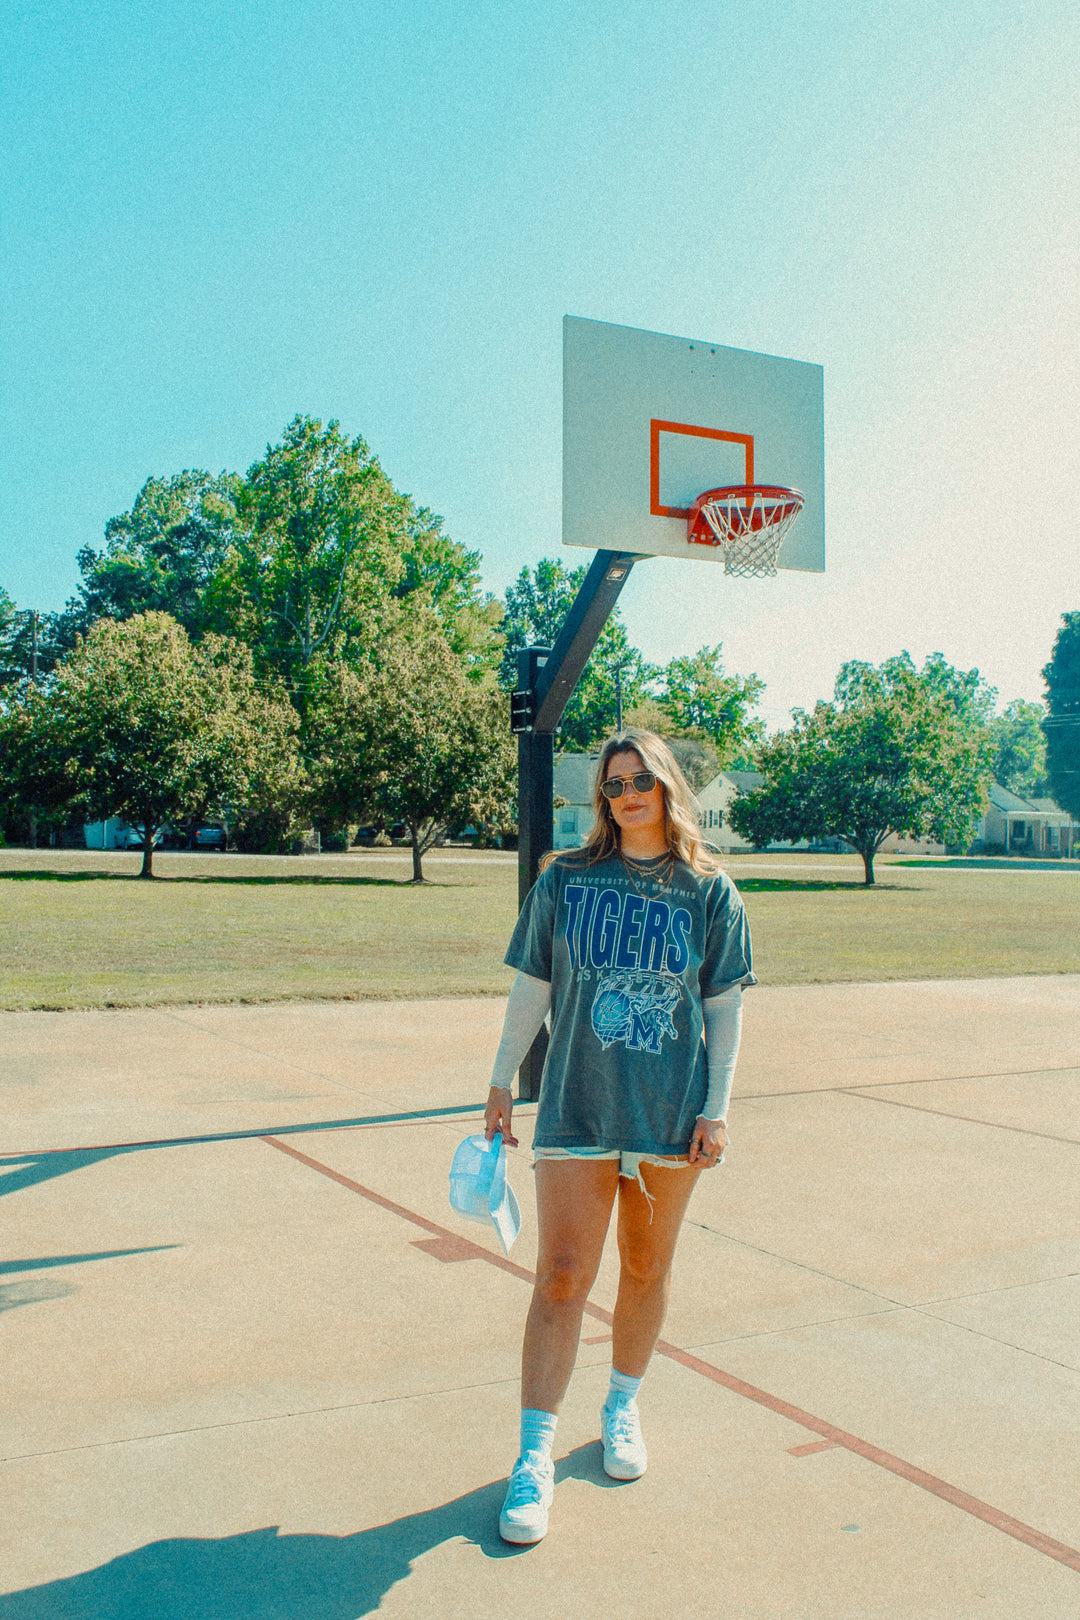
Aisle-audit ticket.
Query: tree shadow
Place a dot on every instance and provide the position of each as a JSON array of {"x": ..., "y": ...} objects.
[
  {"x": 42, "y": 875},
  {"x": 262, "y": 1575},
  {"x": 751, "y": 885}
]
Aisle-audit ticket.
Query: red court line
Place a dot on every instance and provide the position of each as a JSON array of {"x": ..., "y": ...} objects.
[{"x": 838, "y": 1437}]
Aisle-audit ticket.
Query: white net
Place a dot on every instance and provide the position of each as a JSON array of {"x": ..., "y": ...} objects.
[{"x": 750, "y": 525}]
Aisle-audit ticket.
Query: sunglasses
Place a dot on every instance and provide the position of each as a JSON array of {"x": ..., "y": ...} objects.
[{"x": 642, "y": 782}]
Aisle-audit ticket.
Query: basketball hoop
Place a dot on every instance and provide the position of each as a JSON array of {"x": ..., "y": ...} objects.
[{"x": 749, "y": 521}]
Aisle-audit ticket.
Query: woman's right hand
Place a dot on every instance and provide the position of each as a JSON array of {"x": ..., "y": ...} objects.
[{"x": 500, "y": 1106}]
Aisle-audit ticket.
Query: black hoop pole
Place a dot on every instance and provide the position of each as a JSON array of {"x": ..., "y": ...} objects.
[{"x": 546, "y": 680}]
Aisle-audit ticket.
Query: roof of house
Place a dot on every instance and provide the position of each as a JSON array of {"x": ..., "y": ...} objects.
[
  {"x": 1011, "y": 803},
  {"x": 1004, "y": 798},
  {"x": 743, "y": 780}
]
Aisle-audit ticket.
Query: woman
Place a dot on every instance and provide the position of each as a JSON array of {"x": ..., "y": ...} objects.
[{"x": 639, "y": 945}]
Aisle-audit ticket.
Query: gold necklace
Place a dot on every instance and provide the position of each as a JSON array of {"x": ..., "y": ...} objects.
[{"x": 651, "y": 874}]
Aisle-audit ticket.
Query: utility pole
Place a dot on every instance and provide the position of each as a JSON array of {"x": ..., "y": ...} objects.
[{"x": 547, "y": 678}]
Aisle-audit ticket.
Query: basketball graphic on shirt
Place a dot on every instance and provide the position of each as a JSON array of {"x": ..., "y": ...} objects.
[
  {"x": 637, "y": 1009},
  {"x": 610, "y": 1015}
]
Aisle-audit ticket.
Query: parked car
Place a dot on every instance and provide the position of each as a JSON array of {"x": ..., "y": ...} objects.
[
  {"x": 366, "y": 836},
  {"x": 210, "y": 838},
  {"x": 132, "y": 838}
]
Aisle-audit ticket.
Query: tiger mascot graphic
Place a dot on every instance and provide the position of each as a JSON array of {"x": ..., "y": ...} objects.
[{"x": 636, "y": 1008}]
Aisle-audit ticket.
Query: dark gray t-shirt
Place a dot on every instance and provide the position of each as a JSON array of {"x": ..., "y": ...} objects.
[{"x": 629, "y": 964}]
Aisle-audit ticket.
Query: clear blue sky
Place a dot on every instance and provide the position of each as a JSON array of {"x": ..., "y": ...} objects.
[{"x": 218, "y": 215}]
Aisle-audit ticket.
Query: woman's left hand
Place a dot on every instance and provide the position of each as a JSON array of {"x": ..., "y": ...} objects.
[{"x": 708, "y": 1142}]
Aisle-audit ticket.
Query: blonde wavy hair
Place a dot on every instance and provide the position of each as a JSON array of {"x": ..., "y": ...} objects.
[{"x": 681, "y": 828}]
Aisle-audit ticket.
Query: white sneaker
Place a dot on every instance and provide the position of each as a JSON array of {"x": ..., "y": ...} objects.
[
  {"x": 625, "y": 1456},
  {"x": 524, "y": 1516}
]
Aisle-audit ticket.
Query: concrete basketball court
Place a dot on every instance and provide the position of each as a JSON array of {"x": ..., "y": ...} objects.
[{"x": 272, "y": 1375}]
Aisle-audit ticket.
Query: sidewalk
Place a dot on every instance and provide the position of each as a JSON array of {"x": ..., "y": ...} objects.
[{"x": 272, "y": 1375}]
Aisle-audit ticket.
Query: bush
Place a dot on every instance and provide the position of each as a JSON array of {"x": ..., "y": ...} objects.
[{"x": 267, "y": 832}]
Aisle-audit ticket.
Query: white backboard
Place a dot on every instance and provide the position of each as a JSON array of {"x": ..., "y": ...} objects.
[{"x": 650, "y": 422}]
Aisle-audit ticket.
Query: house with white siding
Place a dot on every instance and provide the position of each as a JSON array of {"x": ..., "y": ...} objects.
[
  {"x": 1025, "y": 826},
  {"x": 573, "y": 782},
  {"x": 714, "y": 806}
]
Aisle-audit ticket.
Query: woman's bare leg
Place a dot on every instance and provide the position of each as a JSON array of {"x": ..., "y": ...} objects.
[
  {"x": 574, "y": 1198},
  {"x": 646, "y": 1251}
]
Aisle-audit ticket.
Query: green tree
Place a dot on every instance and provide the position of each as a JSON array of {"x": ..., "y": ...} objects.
[
  {"x": 1019, "y": 744},
  {"x": 443, "y": 576},
  {"x": 318, "y": 551},
  {"x": 963, "y": 690},
  {"x": 534, "y": 609},
  {"x": 28, "y": 643},
  {"x": 10, "y": 660},
  {"x": 900, "y": 760},
  {"x": 1062, "y": 724},
  {"x": 698, "y": 760},
  {"x": 162, "y": 556},
  {"x": 138, "y": 722},
  {"x": 705, "y": 703},
  {"x": 24, "y": 800},
  {"x": 412, "y": 737}
]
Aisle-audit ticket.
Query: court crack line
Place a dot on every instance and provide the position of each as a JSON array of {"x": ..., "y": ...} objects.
[
  {"x": 266, "y": 1417},
  {"x": 921, "y": 1080},
  {"x": 985, "y": 1293},
  {"x": 801, "y": 1265},
  {"x": 969, "y": 1119},
  {"x": 1007, "y": 1344},
  {"x": 270, "y": 1057}
]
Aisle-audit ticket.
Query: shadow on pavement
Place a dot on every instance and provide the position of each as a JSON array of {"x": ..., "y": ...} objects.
[
  {"x": 27, "y": 1170},
  {"x": 262, "y": 1575},
  {"x": 36, "y": 1290}
]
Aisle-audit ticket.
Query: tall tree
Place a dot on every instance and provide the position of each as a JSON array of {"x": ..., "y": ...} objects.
[
  {"x": 162, "y": 556},
  {"x": 411, "y": 737},
  {"x": 1062, "y": 724},
  {"x": 319, "y": 550},
  {"x": 900, "y": 760},
  {"x": 443, "y": 576},
  {"x": 714, "y": 707},
  {"x": 1019, "y": 745},
  {"x": 535, "y": 607},
  {"x": 138, "y": 722}
]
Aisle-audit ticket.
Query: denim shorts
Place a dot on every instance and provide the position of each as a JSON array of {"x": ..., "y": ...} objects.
[{"x": 629, "y": 1163}]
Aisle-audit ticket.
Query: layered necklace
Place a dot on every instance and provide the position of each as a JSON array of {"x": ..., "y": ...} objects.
[{"x": 660, "y": 870}]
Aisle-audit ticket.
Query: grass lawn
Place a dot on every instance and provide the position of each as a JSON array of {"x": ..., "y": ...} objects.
[{"x": 80, "y": 930}]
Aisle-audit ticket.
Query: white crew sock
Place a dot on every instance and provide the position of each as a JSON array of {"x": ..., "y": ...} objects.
[
  {"x": 537, "y": 1430},
  {"x": 622, "y": 1390}
]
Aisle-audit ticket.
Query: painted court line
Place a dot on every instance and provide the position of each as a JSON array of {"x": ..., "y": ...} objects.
[
  {"x": 941, "y": 1488},
  {"x": 417, "y": 1116}
]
